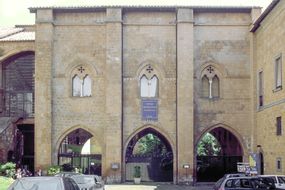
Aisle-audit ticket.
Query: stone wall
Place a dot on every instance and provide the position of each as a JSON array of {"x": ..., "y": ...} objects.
[{"x": 222, "y": 40}]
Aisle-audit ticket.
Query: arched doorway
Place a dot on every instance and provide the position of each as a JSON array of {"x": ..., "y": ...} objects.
[
  {"x": 152, "y": 152},
  {"x": 218, "y": 152},
  {"x": 17, "y": 107},
  {"x": 80, "y": 150}
]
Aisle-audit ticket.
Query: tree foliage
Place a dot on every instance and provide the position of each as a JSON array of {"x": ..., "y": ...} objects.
[
  {"x": 208, "y": 146},
  {"x": 8, "y": 169},
  {"x": 149, "y": 144}
]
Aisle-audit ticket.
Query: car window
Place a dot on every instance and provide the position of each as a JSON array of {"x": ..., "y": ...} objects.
[
  {"x": 236, "y": 183},
  {"x": 74, "y": 184},
  {"x": 264, "y": 183},
  {"x": 229, "y": 183},
  {"x": 245, "y": 183},
  {"x": 67, "y": 184},
  {"x": 274, "y": 179},
  {"x": 37, "y": 185},
  {"x": 281, "y": 179}
]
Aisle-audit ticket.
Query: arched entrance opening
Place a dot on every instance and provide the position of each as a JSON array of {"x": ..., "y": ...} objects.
[
  {"x": 152, "y": 152},
  {"x": 17, "y": 107},
  {"x": 218, "y": 152},
  {"x": 79, "y": 150}
]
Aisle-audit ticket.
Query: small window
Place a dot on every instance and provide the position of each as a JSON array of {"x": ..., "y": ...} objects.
[
  {"x": 86, "y": 86},
  {"x": 149, "y": 86},
  {"x": 278, "y": 126},
  {"x": 260, "y": 88},
  {"x": 279, "y": 164},
  {"x": 81, "y": 87},
  {"x": 278, "y": 73},
  {"x": 210, "y": 83},
  {"x": 205, "y": 87},
  {"x": 215, "y": 87}
]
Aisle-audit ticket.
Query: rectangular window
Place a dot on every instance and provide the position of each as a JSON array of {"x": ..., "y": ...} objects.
[
  {"x": 278, "y": 126},
  {"x": 260, "y": 88},
  {"x": 279, "y": 164},
  {"x": 278, "y": 73}
]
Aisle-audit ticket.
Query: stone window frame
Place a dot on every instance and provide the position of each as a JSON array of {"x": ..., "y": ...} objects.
[
  {"x": 277, "y": 73},
  {"x": 279, "y": 126},
  {"x": 82, "y": 71},
  {"x": 279, "y": 164},
  {"x": 260, "y": 90},
  {"x": 210, "y": 72},
  {"x": 149, "y": 71}
]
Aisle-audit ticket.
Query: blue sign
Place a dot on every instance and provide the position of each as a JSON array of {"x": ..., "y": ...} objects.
[{"x": 149, "y": 109}]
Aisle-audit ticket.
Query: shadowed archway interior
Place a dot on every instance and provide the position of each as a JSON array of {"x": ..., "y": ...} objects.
[
  {"x": 218, "y": 152},
  {"x": 152, "y": 152},
  {"x": 79, "y": 150}
]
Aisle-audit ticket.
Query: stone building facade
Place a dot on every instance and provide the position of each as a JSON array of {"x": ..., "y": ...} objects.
[
  {"x": 268, "y": 47},
  {"x": 204, "y": 60}
]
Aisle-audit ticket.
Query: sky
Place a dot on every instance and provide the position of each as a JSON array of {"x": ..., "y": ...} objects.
[{"x": 15, "y": 12}]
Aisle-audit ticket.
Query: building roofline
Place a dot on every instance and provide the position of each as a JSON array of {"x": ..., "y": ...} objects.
[
  {"x": 147, "y": 8},
  {"x": 256, "y": 24}
]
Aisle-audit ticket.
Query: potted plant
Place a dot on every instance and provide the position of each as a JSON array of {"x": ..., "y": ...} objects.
[{"x": 137, "y": 174}]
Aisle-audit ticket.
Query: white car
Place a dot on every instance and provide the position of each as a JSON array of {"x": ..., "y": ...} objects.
[
  {"x": 44, "y": 183},
  {"x": 88, "y": 182},
  {"x": 279, "y": 180}
]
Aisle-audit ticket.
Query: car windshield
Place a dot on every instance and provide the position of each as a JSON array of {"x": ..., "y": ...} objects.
[
  {"x": 37, "y": 185},
  {"x": 84, "y": 179},
  {"x": 281, "y": 179}
]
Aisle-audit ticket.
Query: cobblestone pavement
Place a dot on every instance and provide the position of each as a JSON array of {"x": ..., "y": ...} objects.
[{"x": 156, "y": 187}]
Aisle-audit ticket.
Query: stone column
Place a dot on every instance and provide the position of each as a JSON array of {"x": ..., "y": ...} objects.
[
  {"x": 43, "y": 92},
  {"x": 185, "y": 114},
  {"x": 113, "y": 130},
  {"x": 255, "y": 13}
]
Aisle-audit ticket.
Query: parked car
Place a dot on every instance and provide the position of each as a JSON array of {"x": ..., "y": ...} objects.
[
  {"x": 89, "y": 182},
  {"x": 244, "y": 183},
  {"x": 44, "y": 183},
  {"x": 218, "y": 183},
  {"x": 279, "y": 180}
]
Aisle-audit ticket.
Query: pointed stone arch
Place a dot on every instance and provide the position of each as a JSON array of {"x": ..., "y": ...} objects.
[
  {"x": 233, "y": 150},
  {"x": 167, "y": 158},
  {"x": 159, "y": 70},
  {"x": 228, "y": 128},
  {"x": 73, "y": 128},
  {"x": 80, "y": 147}
]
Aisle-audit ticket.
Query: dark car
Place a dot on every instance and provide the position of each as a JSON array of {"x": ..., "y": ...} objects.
[
  {"x": 244, "y": 183},
  {"x": 44, "y": 183}
]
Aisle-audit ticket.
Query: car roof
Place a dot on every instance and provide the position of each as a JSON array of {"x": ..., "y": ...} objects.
[
  {"x": 40, "y": 178},
  {"x": 243, "y": 177}
]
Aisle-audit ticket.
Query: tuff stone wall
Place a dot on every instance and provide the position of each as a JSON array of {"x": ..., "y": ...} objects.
[
  {"x": 269, "y": 44},
  {"x": 222, "y": 40},
  {"x": 149, "y": 38}
]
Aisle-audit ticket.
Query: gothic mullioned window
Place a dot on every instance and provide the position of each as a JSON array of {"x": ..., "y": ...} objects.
[
  {"x": 210, "y": 83},
  {"x": 81, "y": 83},
  {"x": 148, "y": 83}
]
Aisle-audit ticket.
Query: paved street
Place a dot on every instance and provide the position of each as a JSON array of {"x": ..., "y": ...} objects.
[{"x": 156, "y": 187}]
